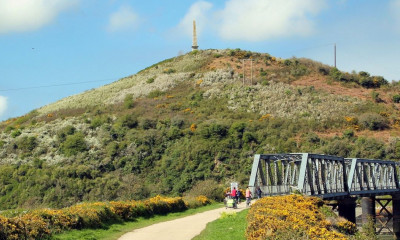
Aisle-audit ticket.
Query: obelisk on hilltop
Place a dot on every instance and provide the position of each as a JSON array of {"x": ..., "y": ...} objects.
[{"x": 194, "y": 44}]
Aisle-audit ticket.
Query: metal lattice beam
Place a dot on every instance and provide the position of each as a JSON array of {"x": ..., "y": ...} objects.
[{"x": 323, "y": 175}]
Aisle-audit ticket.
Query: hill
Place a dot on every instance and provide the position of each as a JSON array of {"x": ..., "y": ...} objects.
[{"x": 192, "y": 123}]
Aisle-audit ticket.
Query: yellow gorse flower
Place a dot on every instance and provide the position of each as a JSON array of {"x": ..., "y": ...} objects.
[
  {"x": 271, "y": 216},
  {"x": 40, "y": 224}
]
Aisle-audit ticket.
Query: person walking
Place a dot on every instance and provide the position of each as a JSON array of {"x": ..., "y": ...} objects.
[
  {"x": 233, "y": 193},
  {"x": 248, "y": 196},
  {"x": 259, "y": 192}
]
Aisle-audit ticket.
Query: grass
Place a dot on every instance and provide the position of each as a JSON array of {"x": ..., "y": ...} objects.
[
  {"x": 116, "y": 230},
  {"x": 227, "y": 227}
]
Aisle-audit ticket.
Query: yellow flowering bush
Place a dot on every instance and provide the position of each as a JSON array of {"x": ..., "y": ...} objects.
[
  {"x": 351, "y": 120},
  {"x": 41, "y": 224},
  {"x": 203, "y": 200},
  {"x": 266, "y": 116},
  {"x": 193, "y": 127},
  {"x": 346, "y": 227},
  {"x": 289, "y": 216}
]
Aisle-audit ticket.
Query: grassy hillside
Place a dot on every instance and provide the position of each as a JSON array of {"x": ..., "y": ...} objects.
[{"x": 192, "y": 121}]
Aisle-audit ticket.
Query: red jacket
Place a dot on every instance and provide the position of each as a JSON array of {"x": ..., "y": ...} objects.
[{"x": 233, "y": 193}]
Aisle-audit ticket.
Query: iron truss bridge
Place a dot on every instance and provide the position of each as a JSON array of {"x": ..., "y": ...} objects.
[{"x": 328, "y": 177}]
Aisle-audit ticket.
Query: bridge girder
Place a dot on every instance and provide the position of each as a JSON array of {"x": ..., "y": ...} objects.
[{"x": 323, "y": 175}]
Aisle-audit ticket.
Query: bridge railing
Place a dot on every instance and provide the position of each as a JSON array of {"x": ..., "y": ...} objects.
[
  {"x": 372, "y": 176},
  {"x": 323, "y": 175}
]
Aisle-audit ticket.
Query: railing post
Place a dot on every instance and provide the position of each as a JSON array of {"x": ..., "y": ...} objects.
[
  {"x": 347, "y": 208},
  {"x": 368, "y": 209},
  {"x": 396, "y": 215}
]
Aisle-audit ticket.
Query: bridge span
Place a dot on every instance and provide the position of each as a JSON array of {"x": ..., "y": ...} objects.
[{"x": 332, "y": 178}]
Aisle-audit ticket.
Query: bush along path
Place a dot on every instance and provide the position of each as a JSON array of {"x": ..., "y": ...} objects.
[
  {"x": 180, "y": 229},
  {"x": 43, "y": 223}
]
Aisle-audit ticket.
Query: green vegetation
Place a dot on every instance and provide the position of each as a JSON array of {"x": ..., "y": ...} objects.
[
  {"x": 194, "y": 131},
  {"x": 228, "y": 226},
  {"x": 363, "y": 79},
  {"x": 128, "y": 101}
]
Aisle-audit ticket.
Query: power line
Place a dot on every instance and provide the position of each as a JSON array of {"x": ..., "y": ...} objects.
[{"x": 56, "y": 85}]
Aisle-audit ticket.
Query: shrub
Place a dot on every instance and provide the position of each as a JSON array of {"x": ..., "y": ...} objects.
[
  {"x": 128, "y": 101},
  {"x": 150, "y": 80},
  {"x": 208, "y": 188},
  {"x": 128, "y": 121},
  {"x": 42, "y": 223},
  {"x": 27, "y": 144},
  {"x": 63, "y": 133},
  {"x": 335, "y": 74},
  {"x": 169, "y": 70},
  {"x": 290, "y": 217},
  {"x": 337, "y": 147},
  {"x": 375, "y": 97},
  {"x": 148, "y": 123},
  {"x": 96, "y": 122},
  {"x": 214, "y": 130},
  {"x": 265, "y": 83},
  {"x": 177, "y": 122},
  {"x": 396, "y": 98},
  {"x": 155, "y": 93},
  {"x": 373, "y": 121},
  {"x": 16, "y": 133},
  {"x": 74, "y": 144},
  {"x": 348, "y": 133}
]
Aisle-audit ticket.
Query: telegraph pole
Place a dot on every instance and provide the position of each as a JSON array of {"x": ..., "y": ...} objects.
[
  {"x": 334, "y": 53},
  {"x": 251, "y": 70}
]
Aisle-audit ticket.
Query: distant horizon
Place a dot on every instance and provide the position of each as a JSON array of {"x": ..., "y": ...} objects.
[{"x": 51, "y": 51}]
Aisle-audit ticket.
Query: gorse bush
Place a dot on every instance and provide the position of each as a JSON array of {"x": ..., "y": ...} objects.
[
  {"x": 43, "y": 223},
  {"x": 373, "y": 121},
  {"x": 292, "y": 217}
]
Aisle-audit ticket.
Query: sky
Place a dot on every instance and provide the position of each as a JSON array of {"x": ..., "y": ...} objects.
[{"x": 51, "y": 49}]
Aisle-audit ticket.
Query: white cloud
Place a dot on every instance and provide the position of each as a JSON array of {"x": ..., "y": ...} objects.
[
  {"x": 199, "y": 12},
  {"x": 3, "y": 105},
  {"x": 29, "y": 15},
  {"x": 395, "y": 9},
  {"x": 123, "y": 19},
  {"x": 257, "y": 20}
]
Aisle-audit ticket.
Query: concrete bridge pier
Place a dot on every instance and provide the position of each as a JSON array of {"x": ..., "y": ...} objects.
[
  {"x": 396, "y": 215},
  {"x": 347, "y": 208},
  {"x": 368, "y": 209}
]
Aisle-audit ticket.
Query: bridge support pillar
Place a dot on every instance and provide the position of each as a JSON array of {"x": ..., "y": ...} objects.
[
  {"x": 368, "y": 209},
  {"x": 396, "y": 215},
  {"x": 347, "y": 209}
]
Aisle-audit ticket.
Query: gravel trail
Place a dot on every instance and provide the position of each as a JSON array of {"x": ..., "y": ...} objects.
[{"x": 184, "y": 228}]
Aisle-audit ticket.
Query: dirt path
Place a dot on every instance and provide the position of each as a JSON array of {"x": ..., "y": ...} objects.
[{"x": 184, "y": 228}]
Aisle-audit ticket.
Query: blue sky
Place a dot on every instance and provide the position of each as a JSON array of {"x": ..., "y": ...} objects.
[{"x": 51, "y": 49}]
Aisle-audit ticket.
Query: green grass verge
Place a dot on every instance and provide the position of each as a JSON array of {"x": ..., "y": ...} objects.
[
  {"x": 114, "y": 231},
  {"x": 227, "y": 227}
]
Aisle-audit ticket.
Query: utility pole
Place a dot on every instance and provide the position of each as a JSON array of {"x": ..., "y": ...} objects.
[
  {"x": 251, "y": 69},
  {"x": 334, "y": 53}
]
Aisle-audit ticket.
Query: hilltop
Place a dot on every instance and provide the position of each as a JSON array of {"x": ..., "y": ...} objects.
[{"x": 192, "y": 123}]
